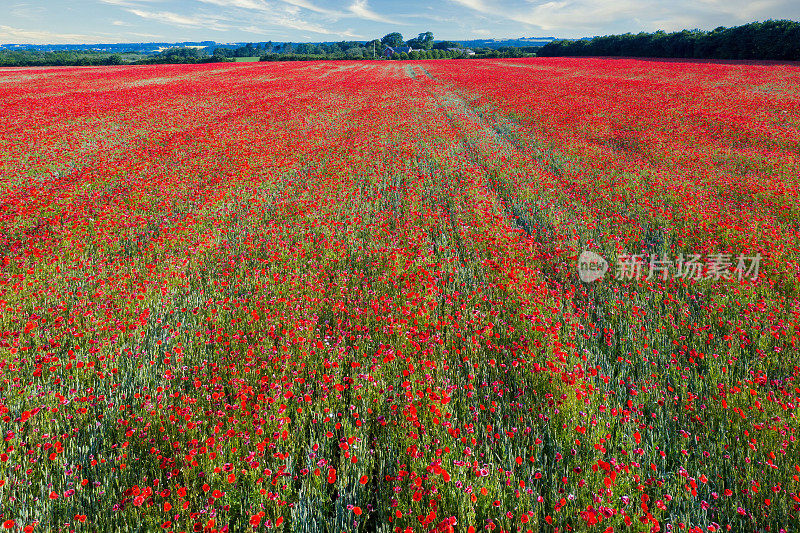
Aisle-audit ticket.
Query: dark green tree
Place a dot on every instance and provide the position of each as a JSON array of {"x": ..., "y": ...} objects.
[
  {"x": 423, "y": 41},
  {"x": 373, "y": 46},
  {"x": 305, "y": 48},
  {"x": 354, "y": 52},
  {"x": 444, "y": 45},
  {"x": 392, "y": 39}
]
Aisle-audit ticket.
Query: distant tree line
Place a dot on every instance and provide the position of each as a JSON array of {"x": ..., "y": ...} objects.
[
  {"x": 416, "y": 54},
  {"x": 423, "y": 46},
  {"x": 180, "y": 56},
  {"x": 346, "y": 49},
  {"x": 316, "y": 51},
  {"x": 35, "y": 58},
  {"x": 773, "y": 39},
  {"x": 248, "y": 50},
  {"x": 89, "y": 58},
  {"x": 506, "y": 51}
]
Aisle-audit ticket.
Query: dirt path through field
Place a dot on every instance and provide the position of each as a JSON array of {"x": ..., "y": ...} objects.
[{"x": 498, "y": 132}]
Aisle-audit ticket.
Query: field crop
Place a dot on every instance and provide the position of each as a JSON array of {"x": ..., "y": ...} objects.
[{"x": 345, "y": 296}]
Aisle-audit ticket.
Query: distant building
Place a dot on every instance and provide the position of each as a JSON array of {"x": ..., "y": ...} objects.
[
  {"x": 465, "y": 51},
  {"x": 391, "y": 50}
]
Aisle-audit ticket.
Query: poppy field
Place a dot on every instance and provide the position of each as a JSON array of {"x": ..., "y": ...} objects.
[{"x": 344, "y": 296}]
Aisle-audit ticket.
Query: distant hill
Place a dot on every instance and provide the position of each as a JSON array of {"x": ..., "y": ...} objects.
[
  {"x": 210, "y": 46},
  {"x": 499, "y": 43},
  {"x": 141, "y": 48}
]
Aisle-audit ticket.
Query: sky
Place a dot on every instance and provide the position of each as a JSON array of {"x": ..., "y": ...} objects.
[{"x": 113, "y": 21}]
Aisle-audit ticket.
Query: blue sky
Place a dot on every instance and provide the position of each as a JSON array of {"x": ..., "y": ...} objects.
[{"x": 92, "y": 21}]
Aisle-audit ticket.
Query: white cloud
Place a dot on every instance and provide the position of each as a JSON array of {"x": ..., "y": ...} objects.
[
  {"x": 581, "y": 13},
  {"x": 126, "y": 3},
  {"x": 607, "y": 16},
  {"x": 312, "y": 7},
  {"x": 284, "y": 15},
  {"x": 301, "y": 26},
  {"x": 289, "y": 6},
  {"x": 476, "y": 5},
  {"x": 745, "y": 10},
  {"x": 27, "y": 11},
  {"x": 176, "y": 19},
  {"x": 360, "y": 9},
  {"x": 298, "y": 24},
  {"x": 148, "y": 36},
  {"x": 241, "y": 4},
  {"x": 23, "y": 36}
]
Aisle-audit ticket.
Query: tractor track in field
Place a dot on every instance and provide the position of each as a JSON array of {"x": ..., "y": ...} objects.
[
  {"x": 531, "y": 218},
  {"x": 551, "y": 227}
]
